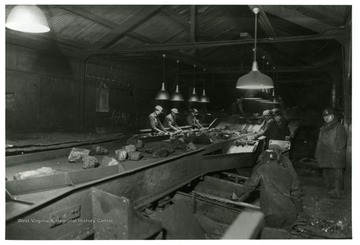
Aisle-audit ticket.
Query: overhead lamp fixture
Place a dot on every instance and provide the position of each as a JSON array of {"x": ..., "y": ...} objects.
[
  {"x": 204, "y": 98},
  {"x": 27, "y": 18},
  {"x": 163, "y": 94},
  {"x": 255, "y": 79},
  {"x": 253, "y": 98},
  {"x": 176, "y": 96},
  {"x": 193, "y": 97}
]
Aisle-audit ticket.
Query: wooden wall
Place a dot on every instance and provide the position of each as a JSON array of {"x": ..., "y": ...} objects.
[{"x": 49, "y": 89}]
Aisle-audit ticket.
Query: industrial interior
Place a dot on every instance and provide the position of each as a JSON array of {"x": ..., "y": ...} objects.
[{"x": 86, "y": 88}]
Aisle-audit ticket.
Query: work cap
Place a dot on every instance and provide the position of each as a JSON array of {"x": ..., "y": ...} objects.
[
  {"x": 159, "y": 108},
  {"x": 327, "y": 111},
  {"x": 275, "y": 148},
  {"x": 194, "y": 110},
  {"x": 267, "y": 113},
  {"x": 174, "y": 110},
  {"x": 276, "y": 111}
]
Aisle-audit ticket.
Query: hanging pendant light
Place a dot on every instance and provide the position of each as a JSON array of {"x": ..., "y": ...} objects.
[
  {"x": 163, "y": 94},
  {"x": 255, "y": 79},
  {"x": 177, "y": 96},
  {"x": 193, "y": 97},
  {"x": 27, "y": 18},
  {"x": 204, "y": 98}
]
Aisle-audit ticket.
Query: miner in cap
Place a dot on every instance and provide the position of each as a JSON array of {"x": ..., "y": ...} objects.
[
  {"x": 282, "y": 123},
  {"x": 278, "y": 189},
  {"x": 192, "y": 120},
  {"x": 170, "y": 121},
  {"x": 269, "y": 128},
  {"x": 330, "y": 153},
  {"x": 155, "y": 123}
]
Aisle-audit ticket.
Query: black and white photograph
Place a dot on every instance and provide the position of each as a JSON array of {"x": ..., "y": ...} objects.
[{"x": 178, "y": 121}]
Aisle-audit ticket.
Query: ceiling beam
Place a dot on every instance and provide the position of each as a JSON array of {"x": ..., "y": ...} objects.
[
  {"x": 173, "y": 15},
  {"x": 199, "y": 45},
  {"x": 265, "y": 23},
  {"x": 240, "y": 70},
  {"x": 112, "y": 37}
]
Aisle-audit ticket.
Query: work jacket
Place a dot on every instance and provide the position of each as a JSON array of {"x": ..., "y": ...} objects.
[
  {"x": 331, "y": 145},
  {"x": 192, "y": 121},
  {"x": 270, "y": 129},
  {"x": 276, "y": 189},
  {"x": 170, "y": 122},
  {"x": 155, "y": 123},
  {"x": 283, "y": 127}
]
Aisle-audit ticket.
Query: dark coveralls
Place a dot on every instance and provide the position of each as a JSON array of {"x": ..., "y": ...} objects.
[
  {"x": 283, "y": 127},
  {"x": 192, "y": 121},
  {"x": 155, "y": 123},
  {"x": 330, "y": 154},
  {"x": 270, "y": 129},
  {"x": 279, "y": 191}
]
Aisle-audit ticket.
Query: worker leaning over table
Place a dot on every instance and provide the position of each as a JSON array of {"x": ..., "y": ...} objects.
[
  {"x": 269, "y": 128},
  {"x": 155, "y": 123},
  {"x": 170, "y": 121},
  {"x": 192, "y": 120}
]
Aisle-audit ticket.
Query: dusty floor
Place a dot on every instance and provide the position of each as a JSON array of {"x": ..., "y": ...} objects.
[{"x": 323, "y": 217}]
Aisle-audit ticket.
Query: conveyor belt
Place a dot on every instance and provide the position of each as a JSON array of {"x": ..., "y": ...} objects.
[{"x": 142, "y": 183}]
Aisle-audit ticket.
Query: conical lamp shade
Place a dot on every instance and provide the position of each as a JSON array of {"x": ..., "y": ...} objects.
[
  {"x": 177, "y": 96},
  {"x": 27, "y": 18},
  {"x": 193, "y": 97},
  {"x": 254, "y": 80},
  {"x": 162, "y": 94},
  {"x": 252, "y": 98},
  {"x": 204, "y": 98}
]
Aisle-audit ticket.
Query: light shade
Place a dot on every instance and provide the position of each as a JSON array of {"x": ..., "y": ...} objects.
[
  {"x": 27, "y": 18},
  {"x": 254, "y": 80},
  {"x": 252, "y": 98},
  {"x": 176, "y": 96},
  {"x": 204, "y": 98},
  {"x": 162, "y": 94},
  {"x": 193, "y": 97}
]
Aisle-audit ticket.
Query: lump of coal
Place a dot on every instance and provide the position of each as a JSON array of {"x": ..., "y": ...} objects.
[
  {"x": 34, "y": 173},
  {"x": 190, "y": 147},
  {"x": 160, "y": 153},
  {"x": 130, "y": 148},
  {"x": 240, "y": 142},
  {"x": 203, "y": 139},
  {"x": 109, "y": 161},
  {"x": 98, "y": 150},
  {"x": 76, "y": 154},
  {"x": 90, "y": 162},
  {"x": 121, "y": 155},
  {"x": 154, "y": 146},
  {"x": 135, "y": 155}
]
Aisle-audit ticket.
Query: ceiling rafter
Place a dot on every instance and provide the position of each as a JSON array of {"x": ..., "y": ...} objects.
[
  {"x": 196, "y": 45},
  {"x": 265, "y": 23}
]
